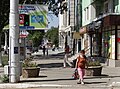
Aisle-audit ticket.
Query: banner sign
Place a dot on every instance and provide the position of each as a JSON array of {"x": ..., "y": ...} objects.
[{"x": 33, "y": 16}]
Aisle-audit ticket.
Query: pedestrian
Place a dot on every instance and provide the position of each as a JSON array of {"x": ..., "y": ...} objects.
[
  {"x": 66, "y": 56},
  {"x": 47, "y": 46},
  {"x": 80, "y": 65},
  {"x": 53, "y": 48},
  {"x": 44, "y": 50}
]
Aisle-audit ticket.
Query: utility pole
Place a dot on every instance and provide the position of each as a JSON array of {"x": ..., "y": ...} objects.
[{"x": 14, "y": 61}]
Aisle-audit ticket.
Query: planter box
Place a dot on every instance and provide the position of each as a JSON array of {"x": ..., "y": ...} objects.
[
  {"x": 93, "y": 71},
  {"x": 30, "y": 72}
]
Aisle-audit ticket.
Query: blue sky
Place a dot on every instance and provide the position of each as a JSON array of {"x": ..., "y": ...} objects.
[{"x": 53, "y": 20}]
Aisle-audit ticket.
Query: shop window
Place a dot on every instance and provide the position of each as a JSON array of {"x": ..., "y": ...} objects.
[
  {"x": 96, "y": 44},
  {"x": 118, "y": 44},
  {"x": 107, "y": 43}
]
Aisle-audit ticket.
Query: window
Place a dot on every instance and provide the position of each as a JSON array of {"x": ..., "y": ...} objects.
[
  {"x": 106, "y": 7},
  {"x": 86, "y": 13}
]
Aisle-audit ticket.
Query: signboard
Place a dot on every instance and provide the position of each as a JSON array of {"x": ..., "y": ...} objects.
[
  {"x": 27, "y": 27},
  {"x": 118, "y": 39},
  {"x": 23, "y": 33},
  {"x": 76, "y": 35},
  {"x": 33, "y": 16},
  {"x": 15, "y": 50}
]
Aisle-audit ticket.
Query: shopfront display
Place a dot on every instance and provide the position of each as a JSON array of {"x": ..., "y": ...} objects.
[{"x": 118, "y": 44}]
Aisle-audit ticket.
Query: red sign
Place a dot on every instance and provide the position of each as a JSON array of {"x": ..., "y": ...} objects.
[
  {"x": 23, "y": 34},
  {"x": 118, "y": 39},
  {"x": 21, "y": 18}
]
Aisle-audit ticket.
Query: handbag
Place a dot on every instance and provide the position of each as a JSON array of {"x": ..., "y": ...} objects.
[{"x": 75, "y": 74}]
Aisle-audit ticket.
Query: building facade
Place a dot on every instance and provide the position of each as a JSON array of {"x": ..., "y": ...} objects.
[
  {"x": 101, "y": 20},
  {"x": 66, "y": 24}
]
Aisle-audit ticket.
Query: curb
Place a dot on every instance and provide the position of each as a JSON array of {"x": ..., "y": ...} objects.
[
  {"x": 115, "y": 84},
  {"x": 19, "y": 85}
]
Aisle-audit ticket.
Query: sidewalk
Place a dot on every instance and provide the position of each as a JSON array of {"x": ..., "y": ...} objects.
[
  {"x": 59, "y": 77},
  {"x": 54, "y": 76}
]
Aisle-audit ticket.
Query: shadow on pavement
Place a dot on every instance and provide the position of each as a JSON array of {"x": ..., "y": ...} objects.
[
  {"x": 102, "y": 76},
  {"x": 51, "y": 65},
  {"x": 47, "y": 80},
  {"x": 41, "y": 76},
  {"x": 53, "y": 56},
  {"x": 94, "y": 82}
]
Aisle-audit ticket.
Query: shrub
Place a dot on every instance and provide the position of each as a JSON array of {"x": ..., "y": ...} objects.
[
  {"x": 4, "y": 78},
  {"x": 4, "y": 60},
  {"x": 93, "y": 63},
  {"x": 27, "y": 63}
]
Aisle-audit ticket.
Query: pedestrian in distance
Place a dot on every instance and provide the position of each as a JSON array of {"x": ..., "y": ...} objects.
[
  {"x": 44, "y": 50},
  {"x": 47, "y": 47},
  {"x": 67, "y": 51},
  {"x": 80, "y": 66}
]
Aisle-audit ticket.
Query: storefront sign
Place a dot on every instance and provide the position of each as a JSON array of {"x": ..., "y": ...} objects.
[
  {"x": 118, "y": 39},
  {"x": 76, "y": 35}
]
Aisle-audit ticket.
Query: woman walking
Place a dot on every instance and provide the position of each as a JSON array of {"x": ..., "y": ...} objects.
[{"x": 80, "y": 65}]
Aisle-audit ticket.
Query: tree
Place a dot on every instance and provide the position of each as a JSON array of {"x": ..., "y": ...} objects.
[
  {"x": 52, "y": 35},
  {"x": 4, "y": 17},
  {"x": 4, "y": 13},
  {"x": 36, "y": 37}
]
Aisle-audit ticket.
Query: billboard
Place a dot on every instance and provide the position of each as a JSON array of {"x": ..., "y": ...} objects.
[{"x": 33, "y": 16}]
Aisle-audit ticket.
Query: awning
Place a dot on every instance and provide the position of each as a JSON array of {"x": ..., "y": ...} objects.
[{"x": 111, "y": 20}]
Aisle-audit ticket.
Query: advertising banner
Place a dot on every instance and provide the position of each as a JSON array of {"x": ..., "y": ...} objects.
[{"x": 33, "y": 16}]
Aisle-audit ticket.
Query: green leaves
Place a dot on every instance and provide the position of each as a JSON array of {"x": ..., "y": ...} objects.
[
  {"x": 94, "y": 63},
  {"x": 36, "y": 37},
  {"x": 52, "y": 35}
]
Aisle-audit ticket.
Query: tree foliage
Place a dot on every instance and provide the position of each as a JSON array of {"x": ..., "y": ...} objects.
[
  {"x": 4, "y": 13},
  {"x": 36, "y": 37},
  {"x": 52, "y": 35}
]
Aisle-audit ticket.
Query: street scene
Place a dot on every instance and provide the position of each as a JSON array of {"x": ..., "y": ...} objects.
[{"x": 60, "y": 44}]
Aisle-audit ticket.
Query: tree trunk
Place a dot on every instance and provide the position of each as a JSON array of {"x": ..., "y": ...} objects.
[{"x": 5, "y": 46}]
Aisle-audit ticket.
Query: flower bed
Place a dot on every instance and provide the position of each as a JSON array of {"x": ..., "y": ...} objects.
[{"x": 94, "y": 68}]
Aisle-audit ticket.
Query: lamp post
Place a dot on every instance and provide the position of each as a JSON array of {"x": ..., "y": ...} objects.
[{"x": 14, "y": 62}]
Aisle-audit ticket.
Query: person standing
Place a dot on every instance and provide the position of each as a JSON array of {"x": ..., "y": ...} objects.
[
  {"x": 47, "y": 47},
  {"x": 44, "y": 50},
  {"x": 80, "y": 65},
  {"x": 66, "y": 56}
]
